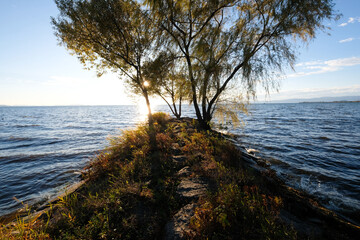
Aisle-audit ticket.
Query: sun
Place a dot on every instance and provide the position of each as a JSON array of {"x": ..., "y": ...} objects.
[{"x": 146, "y": 83}]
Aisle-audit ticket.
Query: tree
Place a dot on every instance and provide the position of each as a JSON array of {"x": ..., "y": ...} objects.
[
  {"x": 236, "y": 41},
  {"x": 167, "y": 80},
  {"x": 108, "y": 34}
]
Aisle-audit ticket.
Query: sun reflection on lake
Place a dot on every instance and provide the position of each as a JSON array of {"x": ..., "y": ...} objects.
[{"x": 143, "y": 112}]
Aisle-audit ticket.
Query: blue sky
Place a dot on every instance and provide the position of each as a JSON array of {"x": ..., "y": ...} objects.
[{"x": 35, "y": 70}]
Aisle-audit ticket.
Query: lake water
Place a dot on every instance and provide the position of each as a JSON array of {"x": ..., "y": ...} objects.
[{"x": 314, "y": 147}]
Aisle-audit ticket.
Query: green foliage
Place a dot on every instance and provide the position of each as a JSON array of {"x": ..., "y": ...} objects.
[
  {"x": 239, "y": 213},
  {"x": 29, "y": 227},
  {"x": 161, "y": 120}
]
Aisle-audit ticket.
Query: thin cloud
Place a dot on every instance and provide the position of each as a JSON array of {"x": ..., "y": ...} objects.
[
  {"x": 350, "y": 20},
  {"x": 319, "y": 67},
  {"x": 304, "y": 93},
  {"x": 346, "y": 40}
]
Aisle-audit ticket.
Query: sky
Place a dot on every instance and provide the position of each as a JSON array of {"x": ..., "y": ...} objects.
[{"x": 35, "y": 70}]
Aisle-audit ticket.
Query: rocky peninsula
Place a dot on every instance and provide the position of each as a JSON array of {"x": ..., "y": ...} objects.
[{"x": 171, "y": 180}]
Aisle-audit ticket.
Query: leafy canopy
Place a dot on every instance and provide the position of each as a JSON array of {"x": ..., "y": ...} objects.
[{"x": 243, "y": 42}]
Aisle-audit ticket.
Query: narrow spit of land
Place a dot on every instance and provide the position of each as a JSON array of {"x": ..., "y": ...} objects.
[{"x": 174, "y": 181}]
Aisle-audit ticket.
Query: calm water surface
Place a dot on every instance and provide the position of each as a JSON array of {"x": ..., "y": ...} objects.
[{"x": 314, "y": 147}]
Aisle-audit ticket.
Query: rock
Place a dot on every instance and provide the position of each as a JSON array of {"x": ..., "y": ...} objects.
[
  {"x": 178, "y": 226},
  {"x": 190, "y": 130},
  {"x": 184, "y": 172},
  {"x": 263, "y": 163},
  {"x": 191, "y": 188},
  {"x": 177, "y": 129},
  {"x": 175, "y": 147},
  {"x": 179, "y": 158},
  {"x": 251, "y": 151}
]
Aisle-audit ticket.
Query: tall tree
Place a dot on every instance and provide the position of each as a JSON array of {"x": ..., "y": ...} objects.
[
  {"x": 236, "y": 41},
  {"x": 108, "y": 35}
]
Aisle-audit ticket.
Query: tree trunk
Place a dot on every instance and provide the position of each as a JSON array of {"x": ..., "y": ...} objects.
[
  {"x": 152, "y": 131},
  {"x": 151, "y": 121},
  {"x": 193, "y": 86},
  {"x": 180, "y": 106},
  {"x": 205, "y": 121}
]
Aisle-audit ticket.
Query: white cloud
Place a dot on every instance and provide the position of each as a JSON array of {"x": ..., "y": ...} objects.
[
  {"x": 319, "y": 67},
  {"x": 350, "y": 20},
  {"x": 305, "y": 93},
  {"x": 344, "y": 62},
  {"x": 346, "y": 40},
  {"x": 304, "y": 64}
]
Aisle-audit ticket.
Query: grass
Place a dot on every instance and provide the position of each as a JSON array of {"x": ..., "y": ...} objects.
[{"x": 130, "y": 191}]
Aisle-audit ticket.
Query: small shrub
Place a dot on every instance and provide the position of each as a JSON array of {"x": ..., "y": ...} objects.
[
  {"x": 244, "y": 213},
  {"x": 30, "y": 227},
  {"x": 161, "y": 118},
  {"x": 198, "y": 144}
]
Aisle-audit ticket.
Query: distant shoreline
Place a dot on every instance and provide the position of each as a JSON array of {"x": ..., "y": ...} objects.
[{"x": 344, "y": 101}]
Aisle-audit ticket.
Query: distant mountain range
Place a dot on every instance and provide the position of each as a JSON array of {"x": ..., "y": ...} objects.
[{"x": 320, "y": 99}]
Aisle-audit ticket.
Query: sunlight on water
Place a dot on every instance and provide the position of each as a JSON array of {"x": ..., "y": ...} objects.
[{"x": 142, "y": 111}]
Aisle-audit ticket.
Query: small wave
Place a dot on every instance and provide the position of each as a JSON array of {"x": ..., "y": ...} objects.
[
  {"x": 34, "y": 144},
  {"x": 352, "y": 147},
  {"x": 277, "y": 162},
  {"x": 26, "y": 126},
  {"x": 341, "y": 151},
  {"x": 300, "y": 147},
  {"x": 26, "y": 116},
  {"x": 323, "y": 138},
  {"x": 327, "y": 127},
  {"x": 75, "y": 127},
  {"x": 18, "y": 139},
  {"x": 273, "y": 118},
  {"x": 273, "y": 148},
  {"x": 23, "y": 158}
]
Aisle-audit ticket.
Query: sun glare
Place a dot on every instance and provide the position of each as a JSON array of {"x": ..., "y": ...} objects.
[
  {"x": 146, "y": 83},
  {"x": 143, "y": 110}
]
